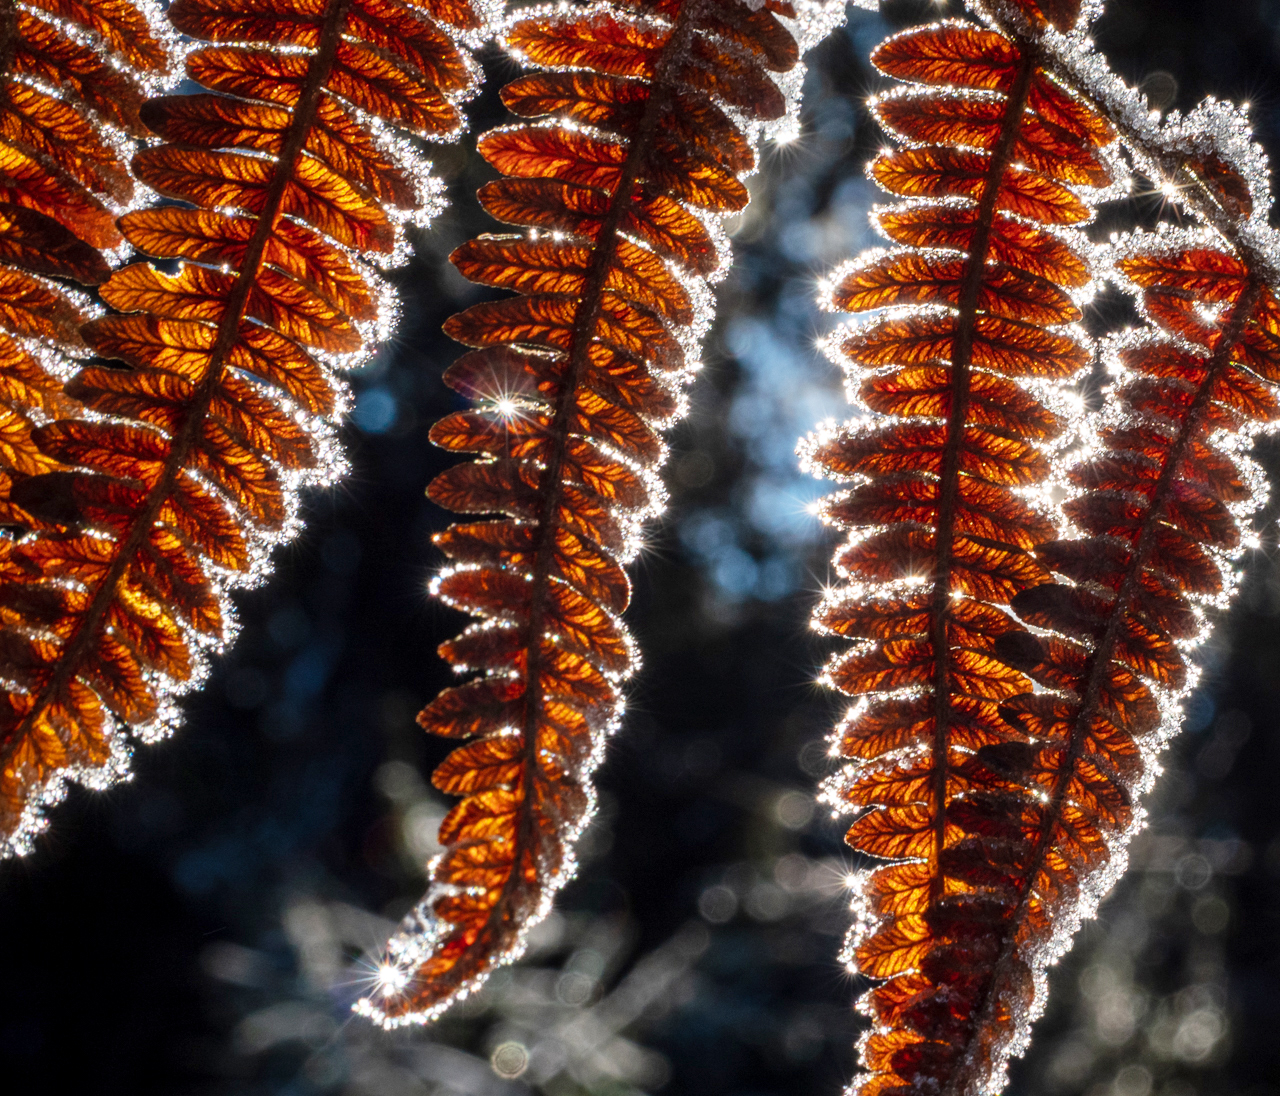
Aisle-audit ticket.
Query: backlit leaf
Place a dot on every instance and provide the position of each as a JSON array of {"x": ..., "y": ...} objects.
[
  {"x": 971, "y": 330},
  {"x": 189, "y": 471},
  {"x": 642, "y": 120}
]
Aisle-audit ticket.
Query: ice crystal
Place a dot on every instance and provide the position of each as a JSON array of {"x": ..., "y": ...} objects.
[{"x": 163, "y": 680}]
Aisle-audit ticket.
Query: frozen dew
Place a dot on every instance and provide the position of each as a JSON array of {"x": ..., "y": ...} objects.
[
  {"x": 390, "y": 980},
  {"x": 1161, "y": 145},
  {"x": 378, "y": 414}
]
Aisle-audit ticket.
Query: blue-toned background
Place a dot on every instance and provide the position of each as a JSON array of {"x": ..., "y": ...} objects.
[{"x": 201, "y": 930}]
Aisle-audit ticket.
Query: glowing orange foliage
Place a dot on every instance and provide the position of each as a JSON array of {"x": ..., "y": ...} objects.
[
  {"x": 646, "y": 115},
  {"x": 972, "y": 333},
  {"x": 219, "y": 401},
  {"x": 1158, "y": 518},
  {"x": 1013, "y": 684}
]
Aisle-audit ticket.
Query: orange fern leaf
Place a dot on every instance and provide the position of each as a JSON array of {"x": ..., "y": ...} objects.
[
  {"x": 225, "y": 403},
  {"x": 956, "y": 373},
  {"x": 1160, "y": 514},
  {"x": 648, "y": 114},
  {"x": 72, "y": 77}
]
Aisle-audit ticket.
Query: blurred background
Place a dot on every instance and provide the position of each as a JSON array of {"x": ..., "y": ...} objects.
[{"x": 204, "y": 928}]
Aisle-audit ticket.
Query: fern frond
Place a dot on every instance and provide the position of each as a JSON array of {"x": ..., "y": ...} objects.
[
  {"x": 295, "y": 169},
  {"x": 1159, "y": 505},
  {"x": 647, "y": 118},
  {"x": 72, "y": 78},
  {"x": 957, "y": 374},
  {"x": 1163, "y": 498}
]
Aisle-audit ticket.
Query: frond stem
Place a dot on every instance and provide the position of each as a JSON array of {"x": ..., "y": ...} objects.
[
  {"x": 551, "y": 480},
  {"x": 1164, "y": 156},
  {"x": 949, "y": 471}
]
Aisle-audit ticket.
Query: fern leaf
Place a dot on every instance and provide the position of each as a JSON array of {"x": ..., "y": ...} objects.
[
  {"x": 1160, "y": 515},
  {"x": 956, "y": 373},
  {"x": 222, "y": 401},
  {"x": 643, "y": 122},
  {"x": 72, "y": 76}
]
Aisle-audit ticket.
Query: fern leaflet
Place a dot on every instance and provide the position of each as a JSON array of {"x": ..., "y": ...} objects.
[
  {"x": 72, "y": 78},
  {"x": 1159, "y": 511}
]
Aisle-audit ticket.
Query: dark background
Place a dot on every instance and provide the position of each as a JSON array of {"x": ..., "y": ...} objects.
[{"x": 204, "y": 928}]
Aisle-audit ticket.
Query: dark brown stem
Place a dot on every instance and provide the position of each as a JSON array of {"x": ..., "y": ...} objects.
[
  {"x": 949, "y": 472},
  {"x": 188, "y": 430},
  {"x": 1100, "y": 661}
]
